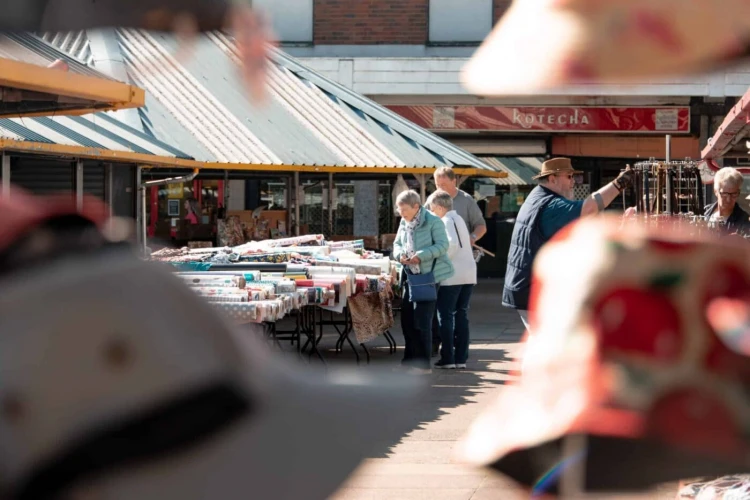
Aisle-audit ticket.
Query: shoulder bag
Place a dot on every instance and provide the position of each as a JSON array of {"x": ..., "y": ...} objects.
[{"x": 422, "y": 287}]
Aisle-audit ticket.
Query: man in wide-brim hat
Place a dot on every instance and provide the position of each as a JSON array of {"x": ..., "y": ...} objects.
[{"x": 548, "y": 208}]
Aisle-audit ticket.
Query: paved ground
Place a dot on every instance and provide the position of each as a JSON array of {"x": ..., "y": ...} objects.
[{"x": 422, "y": 465}]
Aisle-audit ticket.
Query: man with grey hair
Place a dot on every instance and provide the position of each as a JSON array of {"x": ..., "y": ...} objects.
[
  {"x": 725, "y": 211},
  {"x": 463, "y": 203}
]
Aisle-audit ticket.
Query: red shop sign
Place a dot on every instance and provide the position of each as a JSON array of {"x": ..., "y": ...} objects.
[{"x": 661, "y": 120}]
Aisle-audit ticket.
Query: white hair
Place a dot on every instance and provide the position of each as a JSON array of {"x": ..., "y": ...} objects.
[
  {"x": 729, "y": 177},
  {"x": 410, "y": 198},
  {"x": 441, "y": 199}
]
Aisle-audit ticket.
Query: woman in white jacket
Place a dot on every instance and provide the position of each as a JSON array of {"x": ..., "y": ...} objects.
[{"x": 455, "y": 292}]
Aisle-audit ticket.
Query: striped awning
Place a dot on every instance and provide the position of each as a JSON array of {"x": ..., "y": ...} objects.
[
  {"x": 520, "y": 170},
  {"x": 99, "y": 131}
]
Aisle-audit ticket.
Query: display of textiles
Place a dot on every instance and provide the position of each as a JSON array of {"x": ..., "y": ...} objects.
[{"x": 264, "y": 281}]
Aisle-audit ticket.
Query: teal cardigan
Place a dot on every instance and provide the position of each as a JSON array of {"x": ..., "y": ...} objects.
[{"x": 431, "y": 242}]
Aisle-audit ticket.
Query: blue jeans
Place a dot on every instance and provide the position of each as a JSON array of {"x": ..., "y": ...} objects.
[
  {"x": 416, "y": 323},
  {"x": 453, "y": 318}
]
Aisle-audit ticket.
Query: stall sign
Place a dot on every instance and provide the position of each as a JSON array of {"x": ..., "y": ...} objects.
[{"x": 641, "y": 120}]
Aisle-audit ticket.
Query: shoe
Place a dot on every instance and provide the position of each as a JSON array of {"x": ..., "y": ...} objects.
[
  {"x": 460, "y": 366},
  {"x": 444, "y": 366}
]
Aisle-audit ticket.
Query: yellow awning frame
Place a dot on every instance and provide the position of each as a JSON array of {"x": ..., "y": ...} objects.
[
  {"x": 153, "y": 161},
  {"x": 101, "y": 94}
]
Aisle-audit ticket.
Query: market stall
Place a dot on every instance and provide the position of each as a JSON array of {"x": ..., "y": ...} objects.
[{"x": 308, "y": 277}]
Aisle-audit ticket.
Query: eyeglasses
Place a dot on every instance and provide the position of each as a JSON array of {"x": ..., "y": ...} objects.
[{"x": 724, "y": 194}]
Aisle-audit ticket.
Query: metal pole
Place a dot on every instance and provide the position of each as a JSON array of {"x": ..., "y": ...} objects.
[
  {"x": 226, "y": 191},
  {"x": 422, "y": 179},
  {"x": 139, "y": 209},
  {"x": 143, "y": 230},
  {"x": 330, "y": 204},
  {"x": 296, "y": 203},
  {"x": 109, "y": 188},
  {"x": 670, "y": 190},
  {"x": 6, "y": 175},
  {"x": 669, "y": 148},
  {"x": 79, "y": 185}
]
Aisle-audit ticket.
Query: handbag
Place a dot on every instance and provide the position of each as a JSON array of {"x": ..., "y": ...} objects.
[
  {"x": 457, "y": 235},
  {"x": 422, "y": 287}
]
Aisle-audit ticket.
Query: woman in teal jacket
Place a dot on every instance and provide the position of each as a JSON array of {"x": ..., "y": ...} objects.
[{"x": 421, "y": 246}]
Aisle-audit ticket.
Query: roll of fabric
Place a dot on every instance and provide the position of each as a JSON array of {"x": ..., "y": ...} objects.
[
  {"x": 364, "y": 266},
  {"x": 297, "y": 240},
  {"x": 271, "y": 258},
  {"x": 230, "y": 294},
  {"x": 247, "y": 312},
  {"x": 248, "y": 275},
  {"x": 208, "y": 280},
  {"x": 251, "y": 266},
  {"x": 286, "y": 286}
]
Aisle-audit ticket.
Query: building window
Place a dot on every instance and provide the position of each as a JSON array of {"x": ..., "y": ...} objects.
[
  {"x": 464, "y": 22},
  {"x": 292, "y": 20}
]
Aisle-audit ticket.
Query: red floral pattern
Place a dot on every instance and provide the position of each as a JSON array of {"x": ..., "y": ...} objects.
[{"x": 639, "y": 322}]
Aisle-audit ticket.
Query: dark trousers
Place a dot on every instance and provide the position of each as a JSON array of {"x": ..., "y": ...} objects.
[
  {"x": 453, "y": 317},
  {"x": 416, "y": 323}
]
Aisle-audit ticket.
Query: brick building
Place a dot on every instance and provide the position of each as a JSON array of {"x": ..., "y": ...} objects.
[{"x": 408, "y": 53}]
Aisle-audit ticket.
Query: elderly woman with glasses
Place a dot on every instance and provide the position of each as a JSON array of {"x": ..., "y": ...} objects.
[
  {"x": 421, "y": 246},
  {"x": 727, "y": 187}
]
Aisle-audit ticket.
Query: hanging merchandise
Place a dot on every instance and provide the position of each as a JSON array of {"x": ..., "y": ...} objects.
[
  {"x": 399, "y": 187},
  {"x": 372, "y": 314}
]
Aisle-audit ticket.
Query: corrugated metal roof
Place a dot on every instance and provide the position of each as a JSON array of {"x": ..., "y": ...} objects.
[
  {"x": 199, "y": 104},
  {"x": 30, "y": 48},
  {"x": 95, "y": 130},
  {"x": 74, "y": 43},
  {"x": 520, "y": 170}
]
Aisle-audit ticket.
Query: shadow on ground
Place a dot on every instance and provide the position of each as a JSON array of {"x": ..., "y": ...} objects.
[{"x": 458, "y": 394}]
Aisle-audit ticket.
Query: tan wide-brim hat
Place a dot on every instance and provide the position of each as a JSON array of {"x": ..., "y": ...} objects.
[
  {"x": 544, "y": 45},
  {"x": 557, "y": 166}
]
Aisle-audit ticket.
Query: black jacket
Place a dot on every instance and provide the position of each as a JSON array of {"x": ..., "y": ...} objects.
[
  {"x": 738, "y": 221},
  {"x": 526, "y": 241}
]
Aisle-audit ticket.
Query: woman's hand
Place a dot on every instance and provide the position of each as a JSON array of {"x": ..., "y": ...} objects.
[{"x": 410, "y": 262}]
